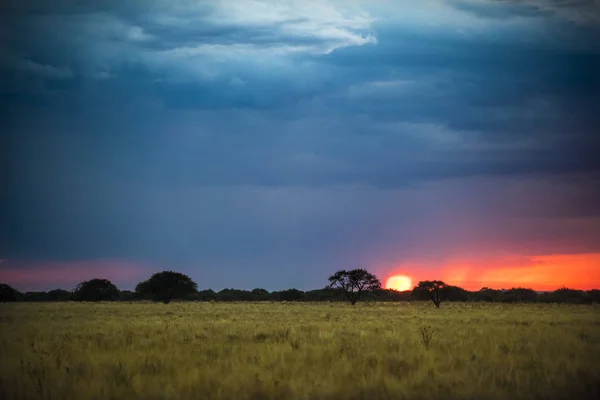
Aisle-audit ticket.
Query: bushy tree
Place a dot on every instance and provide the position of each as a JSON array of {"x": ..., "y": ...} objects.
[
  {"x": 127, "y": 295},
  {"x": 8, "y": 293},
  {"x": 96, "y": 290},
  {"x": 166, "y": 286},
  {"x": 432, "y": 290},
  {"x": 354, "y": 282}
]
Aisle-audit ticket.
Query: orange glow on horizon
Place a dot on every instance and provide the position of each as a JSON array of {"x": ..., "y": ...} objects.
[
  {"x": 399, "y": 283},
  {"x": 542, "y": 273}
]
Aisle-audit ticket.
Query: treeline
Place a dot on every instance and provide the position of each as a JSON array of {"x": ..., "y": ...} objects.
[{"x": 106, "y": 291}]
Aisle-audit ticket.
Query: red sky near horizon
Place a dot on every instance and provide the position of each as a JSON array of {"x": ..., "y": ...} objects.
[
  {"x": 66, "y": 275},
  {"x": 543, "y": 273},
  {"x": 576, "y": 271}
]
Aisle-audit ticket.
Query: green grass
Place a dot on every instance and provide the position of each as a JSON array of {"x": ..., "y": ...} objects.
[{"x": 298, "y": 351}]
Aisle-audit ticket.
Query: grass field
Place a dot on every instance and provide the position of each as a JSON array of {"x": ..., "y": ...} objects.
[{"x": 298, "y": 351}]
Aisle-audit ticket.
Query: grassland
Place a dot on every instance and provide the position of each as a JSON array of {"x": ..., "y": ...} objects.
[{"x": 298, "y": 351}]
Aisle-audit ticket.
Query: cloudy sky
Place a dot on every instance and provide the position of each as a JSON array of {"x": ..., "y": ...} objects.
[{"x": 269, "y": 143}]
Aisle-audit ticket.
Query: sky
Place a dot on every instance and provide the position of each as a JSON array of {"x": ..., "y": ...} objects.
[{"x": 269, "y": 143}]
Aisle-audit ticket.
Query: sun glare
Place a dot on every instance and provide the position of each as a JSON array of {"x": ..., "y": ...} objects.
[{"x": 399, "y": 282}]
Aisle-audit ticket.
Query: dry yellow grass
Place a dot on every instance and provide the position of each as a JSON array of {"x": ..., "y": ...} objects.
[{"x": 298, "y": 351}]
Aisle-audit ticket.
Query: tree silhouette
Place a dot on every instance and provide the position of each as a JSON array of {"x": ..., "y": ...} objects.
[
  {"x": 8, "y": 293},
  {"x": 96, "y": 290},
  {"x": 353, "y": 283},
  {"x": 432, "y": 290},
  {"x": 166, "y": 286}
]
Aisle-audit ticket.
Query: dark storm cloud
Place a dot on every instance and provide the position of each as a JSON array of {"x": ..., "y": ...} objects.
[
  {"x": 471, "y": 85},
  {"x": 209, "y": 136},
  {"x": 575, "y": 11},
  {"x": 499, "y": 8}
]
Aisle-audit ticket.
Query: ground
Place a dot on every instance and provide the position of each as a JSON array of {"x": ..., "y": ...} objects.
[{"x": 298, "y": 351}]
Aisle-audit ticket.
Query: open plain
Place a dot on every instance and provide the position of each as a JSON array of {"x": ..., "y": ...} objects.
[{"x": 298, "y": 351}]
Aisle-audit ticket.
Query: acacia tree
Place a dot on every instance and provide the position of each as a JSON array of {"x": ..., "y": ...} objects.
[
  {"x": 353, "y": 283},
  {"x": 96, "y": 290},
  {"x": 433, "y": 290},
  {"x": 166, "y": 286}
]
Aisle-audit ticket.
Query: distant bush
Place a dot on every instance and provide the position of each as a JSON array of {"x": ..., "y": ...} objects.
[
  {"x": 127, "y": 295},
  {"x": 205, "y": 295},
  {"x": 487, "y": 294},
  {"x": 59, "y": 295},
  {"x": 259, "y": 294},
  {"x": 519, "y": 295},
  {"x": 35, "y": 296},
  {"x": 389, "y": 295},
  {"x": 564, "y": 295},
  {"x": 455, "y": 293},
  {"x": 289, "y": 295},
  {"x": 593, "y": 296},
  {"x": 234, "y": 295}
]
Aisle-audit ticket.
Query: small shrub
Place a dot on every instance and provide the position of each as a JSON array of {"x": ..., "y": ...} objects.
[{"x": 426, "y": 335}]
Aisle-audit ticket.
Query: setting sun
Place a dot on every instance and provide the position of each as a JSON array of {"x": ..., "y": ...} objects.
[{"x": 399, "y": 282}]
